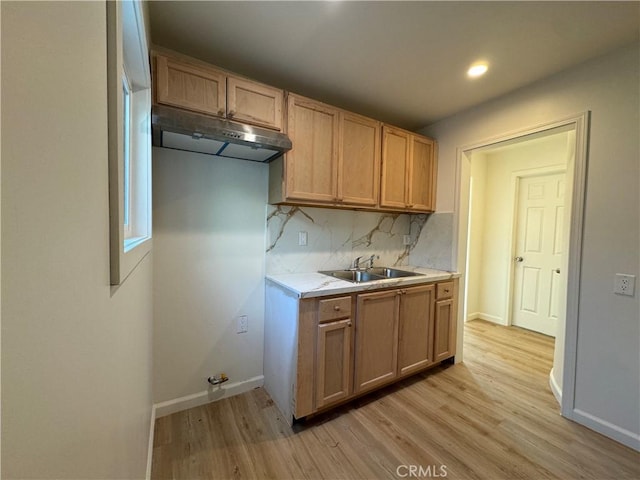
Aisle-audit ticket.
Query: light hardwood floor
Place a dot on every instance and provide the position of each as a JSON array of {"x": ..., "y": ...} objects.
[{"x": 492, "y": 417}]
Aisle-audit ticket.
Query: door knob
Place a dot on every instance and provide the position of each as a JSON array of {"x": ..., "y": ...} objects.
[{"x": 519, "y": 259}]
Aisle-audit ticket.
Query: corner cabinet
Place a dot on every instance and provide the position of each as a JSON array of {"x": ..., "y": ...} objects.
[
  {"x": 193, "y": 85},
  {"x": 335, "y": 159},
  {"x": 408, "y": 171},
  {"x": 320, "y": 352}
]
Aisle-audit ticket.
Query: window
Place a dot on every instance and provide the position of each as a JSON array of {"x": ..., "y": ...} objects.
[
  {"x": 126, "y": 153},
  {"x": 129, "y": 84}
]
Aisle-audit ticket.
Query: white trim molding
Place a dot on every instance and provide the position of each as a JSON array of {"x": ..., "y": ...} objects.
[
  {"x": 555, "y": 388},
  {"x": 212, "y": 394},
  {"x": 152, "y": 430},
  {"x": 485, "y": 316},
  {"x": 624, "y": 436}
]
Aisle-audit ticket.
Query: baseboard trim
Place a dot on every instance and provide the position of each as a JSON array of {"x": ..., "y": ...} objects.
[
  {"x": 152, "y": 431},
  {"x": 485, "y": 316},
  {"x": 619, "y": 434},
  {"x": 555, "y": 388},
  {"x": 213, "y": 394}
]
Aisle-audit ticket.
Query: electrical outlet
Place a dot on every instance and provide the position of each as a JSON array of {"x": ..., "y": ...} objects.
[
  {"x": 242, "y": 324},
  {"x": 302, "y": 239},
  {"x": 406, "y": 240},
  {"x": 624, "y": 284}
]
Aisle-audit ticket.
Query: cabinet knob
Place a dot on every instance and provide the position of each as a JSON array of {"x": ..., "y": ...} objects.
[
  {"x": 221, "y": 112},
  {"x": 231, "y": 113},
  {"x": 336, "y": 308},
  {"x": 349, "y": 324},
  {"x": 446, "y": 290}
]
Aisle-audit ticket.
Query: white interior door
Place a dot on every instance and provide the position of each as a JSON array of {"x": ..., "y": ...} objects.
[{"x": 538, "y": 252}]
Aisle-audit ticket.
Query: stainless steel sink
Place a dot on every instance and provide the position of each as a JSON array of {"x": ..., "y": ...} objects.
[
  {"x": 388, "y": 272},
  {"x": 356, "y": 276},
  {"x": 368, "y": 275}
]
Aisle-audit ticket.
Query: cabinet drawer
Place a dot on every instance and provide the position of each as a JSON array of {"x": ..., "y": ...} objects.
[
  {"x": 334, "y": 308},
  {"x": 444, "y": 290}
]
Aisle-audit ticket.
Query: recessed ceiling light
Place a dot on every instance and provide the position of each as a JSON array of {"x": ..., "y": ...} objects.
[{"x": 477, "y": 69}]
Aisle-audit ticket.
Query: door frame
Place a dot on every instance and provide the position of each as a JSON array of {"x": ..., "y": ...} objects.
[
  {"x": 514, "y": 191},
  {"x": 578, "y": 171}
]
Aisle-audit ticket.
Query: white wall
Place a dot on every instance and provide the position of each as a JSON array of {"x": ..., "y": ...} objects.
[
  {"x": 76, "y": 355},
  {"x": 475, "y": 264},
  {"x": 209, "y": 243},
  {"x": 608, "y": 328},
  {"x": 492, "y": 200}
]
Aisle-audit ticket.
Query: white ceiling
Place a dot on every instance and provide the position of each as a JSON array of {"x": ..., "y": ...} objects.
[{"x": 401, "y": 62}]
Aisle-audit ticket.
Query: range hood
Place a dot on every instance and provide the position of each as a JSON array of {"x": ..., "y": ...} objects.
[{"x": 183, "y": 130}]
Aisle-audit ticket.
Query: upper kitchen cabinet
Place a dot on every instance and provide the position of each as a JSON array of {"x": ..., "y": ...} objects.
[
  {"x": 408, "y": 171},
  {"x": 192, "y": 85},
  {"x": 310, "y": 167},
  {"x": 358, "y": 160},
  {"x": 335, "y": 160},
  {"x": 255, "y": 103}
]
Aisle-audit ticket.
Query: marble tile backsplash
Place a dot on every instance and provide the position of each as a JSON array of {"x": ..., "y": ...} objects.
[
  {"x": 336, "y": 237},
  {"x": 434, "y": 244}
]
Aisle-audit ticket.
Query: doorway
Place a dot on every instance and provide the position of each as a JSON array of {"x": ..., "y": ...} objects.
[
  {"x": 498, "y": 236},
  {"x": 516, "y": 220}
]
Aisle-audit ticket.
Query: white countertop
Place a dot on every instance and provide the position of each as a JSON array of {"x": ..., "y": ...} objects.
[{"x": 308, "y": 285}]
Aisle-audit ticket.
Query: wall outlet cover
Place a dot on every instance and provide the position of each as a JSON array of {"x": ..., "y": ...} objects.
[
  {"x": 624, "y": 284},
  {"x": 242, "y": 324}
]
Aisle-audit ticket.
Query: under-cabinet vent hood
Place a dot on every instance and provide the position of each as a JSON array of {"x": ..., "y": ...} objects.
[{"x": 193, "y": 132}]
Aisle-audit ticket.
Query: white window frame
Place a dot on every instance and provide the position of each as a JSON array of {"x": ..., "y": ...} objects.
[{"x": 129, "y": 79}]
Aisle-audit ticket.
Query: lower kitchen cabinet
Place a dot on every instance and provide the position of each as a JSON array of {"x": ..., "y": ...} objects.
[
  {"x": 376, "y": 339},
  {"x": 415, "y": 337},
  {"x": 334, "y": 351},
  {"x": 445, "y": 322},
  {"x": 320, "y": 352}
]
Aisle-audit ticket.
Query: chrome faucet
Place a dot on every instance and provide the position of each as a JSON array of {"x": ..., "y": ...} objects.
[{"x": 356, "y": 262}]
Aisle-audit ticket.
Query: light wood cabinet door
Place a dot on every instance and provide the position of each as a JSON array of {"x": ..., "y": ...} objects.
[
  {"x": 333, "y": 362},
  {"x": 358, "y": 160},
  {"x": 422, "y": 174},
  {"x": 254, "y": 103},
  {"x": 416, "y": 324},
  {"x": 445, "y": 330},
  {"x": 408, "y": 177},
  {"x": 376, "y": 340},
  {"x": 196, "y": 88},
  {"x": 396, "y": 146},
  {"x": 311, "y": 165}
]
